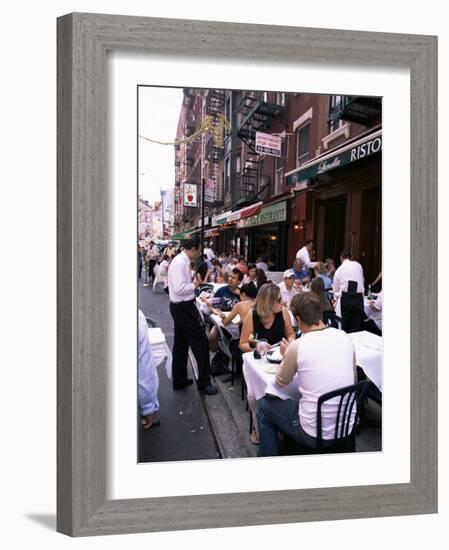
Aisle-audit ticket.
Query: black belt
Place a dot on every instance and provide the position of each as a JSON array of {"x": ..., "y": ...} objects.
[{"x": 185, "y": 302}]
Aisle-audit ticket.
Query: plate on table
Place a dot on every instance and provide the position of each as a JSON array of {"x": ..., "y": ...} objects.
[
  {"x": 270, "y": 369},
  {"x": 274, "y": 355}
]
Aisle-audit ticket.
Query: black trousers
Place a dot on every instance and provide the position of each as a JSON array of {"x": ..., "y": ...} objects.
[
  {"x": 352, "y": 311},
  {"x": 189, "y": 332},
  {"x": 151, "y": 264}
]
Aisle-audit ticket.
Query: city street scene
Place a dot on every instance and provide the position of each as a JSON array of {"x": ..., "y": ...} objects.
[{"x": 259, "y": 260}]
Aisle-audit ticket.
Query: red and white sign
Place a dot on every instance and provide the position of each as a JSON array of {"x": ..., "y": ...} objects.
[
  {"x": 190, "y": 194},
  {"x": 268, "y": 144}
]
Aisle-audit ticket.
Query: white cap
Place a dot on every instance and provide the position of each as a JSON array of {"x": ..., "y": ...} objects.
[{"x": 289, "y": 273}]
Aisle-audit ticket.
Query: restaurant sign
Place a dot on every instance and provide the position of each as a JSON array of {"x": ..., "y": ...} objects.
[
  {"x": 268, "y": 144},
  {"x": 359, "y": 151},
  {"x": 190, "y": 194},
  {"x": 274, "y": 213}
]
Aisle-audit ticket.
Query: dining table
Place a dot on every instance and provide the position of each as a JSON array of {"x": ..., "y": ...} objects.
[
  {"x": 260, "y": 374},
  {"x": 160, "y": 351}
]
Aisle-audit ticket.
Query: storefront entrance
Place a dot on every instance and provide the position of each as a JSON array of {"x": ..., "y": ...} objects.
[
  {"x": 269, "y": 241},
  {"x": 331, "y": 227},
  {"x": 371, "y": 233}
]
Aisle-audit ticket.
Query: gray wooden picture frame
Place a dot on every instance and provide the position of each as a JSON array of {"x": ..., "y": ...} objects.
[{"x": 83, "y": 40}]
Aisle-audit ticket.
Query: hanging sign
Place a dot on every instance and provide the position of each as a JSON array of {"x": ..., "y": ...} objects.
[
  {"x": 190, "y": 194},
  {"x": 268, "y": 144},
  {"x": 209, "y": 190}
]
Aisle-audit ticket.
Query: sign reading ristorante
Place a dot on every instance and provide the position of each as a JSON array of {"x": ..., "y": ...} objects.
[
  {"x": 360, "y": 150},
  {"x": 274, "y": 213}
]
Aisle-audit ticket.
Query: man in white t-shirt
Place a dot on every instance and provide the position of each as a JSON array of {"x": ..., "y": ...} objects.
[
  {"x": 287, "y": 287},
  {"x": 324, "y": 360}
]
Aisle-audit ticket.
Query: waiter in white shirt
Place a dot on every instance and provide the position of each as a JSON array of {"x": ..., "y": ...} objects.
[
  {"x": 303, "y": 254},
  {"x": 189, "y": 329},
  {"x": 349, "y": 304}
]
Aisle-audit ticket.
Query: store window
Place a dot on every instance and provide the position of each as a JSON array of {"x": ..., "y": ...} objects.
[
  {"x": 335, "y": 105},
  {"x": 280, "y": 99},
  {"x": 227, "y": 183},
  {"x": 279, "y": 175},
  {"x": 302, "y": 144}
]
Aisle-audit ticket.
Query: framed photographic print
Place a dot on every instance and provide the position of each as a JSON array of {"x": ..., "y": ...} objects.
[{"x": 274, "y": 138}]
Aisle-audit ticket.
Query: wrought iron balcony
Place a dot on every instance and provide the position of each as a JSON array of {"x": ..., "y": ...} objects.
[
  {"x": 215, "y": 102},
  {"x": 213, "y": 152},
  {"x": 244, "y": 189},
  {"x": 359, "y": 109},
  {"x": 257, "y": 116}
]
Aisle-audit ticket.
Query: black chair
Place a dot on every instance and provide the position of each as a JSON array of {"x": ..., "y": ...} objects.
[
  {"x": 352, "y": 308},
  {"x": 350, "y": 398},
  {"x": 331, "y": 319}
]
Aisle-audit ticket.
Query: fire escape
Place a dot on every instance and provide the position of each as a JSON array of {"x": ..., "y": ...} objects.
[
  {"x": 360, "y": 109},
  {"x": 214, "y": 152},
  {"x": 256, "y": 115}
]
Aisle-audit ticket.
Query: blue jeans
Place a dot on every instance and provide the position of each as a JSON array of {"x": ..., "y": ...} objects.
[{"x": 275, "y": 414}]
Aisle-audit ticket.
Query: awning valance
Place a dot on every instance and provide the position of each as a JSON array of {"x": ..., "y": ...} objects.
[
  {"x": 230, "y": 216},
  {"x": 357, "y": 150}
]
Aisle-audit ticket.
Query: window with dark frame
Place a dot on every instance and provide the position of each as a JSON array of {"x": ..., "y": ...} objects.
[
  {"x": 302, "y": 144},
  {"x": 334, "y": 103}
]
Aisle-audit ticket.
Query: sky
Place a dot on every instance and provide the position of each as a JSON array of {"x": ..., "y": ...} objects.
[{"x": 159, "y": 110}]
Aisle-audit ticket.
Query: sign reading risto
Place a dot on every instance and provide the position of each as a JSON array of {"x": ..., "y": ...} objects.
[
  {"x": 274, "y": 213},
  {"x": 351, "y": 154}
]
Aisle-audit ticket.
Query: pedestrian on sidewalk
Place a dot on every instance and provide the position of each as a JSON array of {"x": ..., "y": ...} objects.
[
  {"x": 148, "y": 379},
  {"x": 189, "y": 328},
  {"x": 152, "y": 258}
]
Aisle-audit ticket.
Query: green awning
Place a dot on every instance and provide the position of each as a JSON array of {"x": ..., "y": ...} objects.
[
  {"x": 184, "y": 234},
  {"x": 365, "y": 147}
]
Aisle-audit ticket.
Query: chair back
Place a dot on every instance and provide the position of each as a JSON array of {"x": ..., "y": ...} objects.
[
  {"x": 352, "y": 287},
  {"x": 331, "y": 319},
  {"x": 350, "y": 397}
]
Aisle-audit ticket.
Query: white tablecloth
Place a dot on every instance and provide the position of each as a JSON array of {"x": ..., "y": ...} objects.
[
  {"x": 160, "y": 350},
  {"x": 232, "y": 328},
  {"x": 259, "y": 382},
  {"x": 368, "y": 352}
]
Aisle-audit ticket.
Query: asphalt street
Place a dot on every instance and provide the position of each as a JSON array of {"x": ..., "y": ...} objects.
[{"x": 185, "y": 432}]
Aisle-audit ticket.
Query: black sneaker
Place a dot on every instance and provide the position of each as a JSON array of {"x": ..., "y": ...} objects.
[{"x": 208, "y": 390}]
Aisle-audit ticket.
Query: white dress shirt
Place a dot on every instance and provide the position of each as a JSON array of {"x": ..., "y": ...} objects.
[
  {"x": 180, "y": 286},
  {"x": 348, "y": 271},
  {"x": 209, "y": 253},
  {"x": 304, "y": 256}
]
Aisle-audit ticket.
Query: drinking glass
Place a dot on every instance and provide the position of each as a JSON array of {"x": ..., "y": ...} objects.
[{"x": 262, "y": 347}]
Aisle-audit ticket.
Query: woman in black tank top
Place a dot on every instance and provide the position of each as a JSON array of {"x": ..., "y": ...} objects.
[
  {"x": 269, "y": 320},
  {"x": 274, "y": 333}
]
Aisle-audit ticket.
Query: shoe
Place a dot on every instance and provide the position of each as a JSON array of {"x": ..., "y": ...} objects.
[
  {"x": 182, "y": 385},
  {"x": 208, "y": 390}
]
